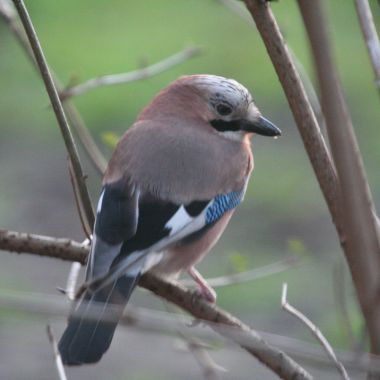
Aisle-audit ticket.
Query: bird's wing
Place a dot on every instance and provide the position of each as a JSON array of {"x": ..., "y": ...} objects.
[
  {"x": 116, "y": 221},
  {"x": 161, "y": 224},
  {"x": 129, "y": 226}
]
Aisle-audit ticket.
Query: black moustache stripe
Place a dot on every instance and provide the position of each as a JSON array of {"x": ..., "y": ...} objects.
[{"x": 224, "y": 126}]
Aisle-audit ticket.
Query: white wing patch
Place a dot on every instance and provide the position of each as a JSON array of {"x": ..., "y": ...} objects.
[
  {"x": 141, "y": 261},
  {"x": 179, "y": 220},
  {"x": 100, "y": 202}
]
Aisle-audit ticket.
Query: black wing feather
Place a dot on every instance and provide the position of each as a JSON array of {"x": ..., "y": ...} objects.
[{"x": 116, "y": 220}]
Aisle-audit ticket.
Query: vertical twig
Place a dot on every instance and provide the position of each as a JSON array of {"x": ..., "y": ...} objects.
[
  {"x": 370, "y": 36},
  {"x": 87, "y": 229},
  {"x": 360, "y": 222},
  {"x": 7, "y": 12},
  {"x": 58, "y": 110},
  {"x": 315, "y": 331},
  {"x": 57, "y": 356},
  {"x": 90, "y": 147}
]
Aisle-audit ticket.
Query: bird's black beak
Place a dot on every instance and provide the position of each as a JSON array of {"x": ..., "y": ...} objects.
[{"x": 261, "y": 126}]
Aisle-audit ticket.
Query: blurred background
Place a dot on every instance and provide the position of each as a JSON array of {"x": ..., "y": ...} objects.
[{"x": 284, "y": 213}]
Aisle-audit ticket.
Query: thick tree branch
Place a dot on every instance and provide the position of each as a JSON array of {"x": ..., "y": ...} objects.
[
  {"x": 132, "y": 76},
  {"x": 173, "y": 292},
  {"x": 58, "y": 109},
  {"x": 302, "y": 111},
  {"x": 364, "y": 271},
  {"x": 63, "y": 249},
  {"x": 360, "y": 223},
  {"x": 242, "y": 12}
]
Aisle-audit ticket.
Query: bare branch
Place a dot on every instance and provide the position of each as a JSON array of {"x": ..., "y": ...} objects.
[
  {"x": 370, "y": 35},
  {"x": 58, "y": 110},
  {"x": 242, "y": 12},
  {"x": 57, "y": 356},
  {"x": 237, "y": 331},
  {"x": 86, "y": 227},
  {"x": 196, "y": 347},
  {"x": 302, "y": 111},
  {"x": 133, "y": 76},
  {"x": 359, "y": 218},
  {"x": 209, "y": 368},
  {"x": 173, "y": 292},
  {"x": 160, "y": 322},
  {"x": 8, "y": 14},
  {"x": 89, "y": 144},
  {"x": 314, "y": 329},
  {"x": 64, "y": 249},
  {"x": 249, "y": 275}
]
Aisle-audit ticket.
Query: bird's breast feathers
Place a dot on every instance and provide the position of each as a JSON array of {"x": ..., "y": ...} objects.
[{"x": 180, "y": 167}]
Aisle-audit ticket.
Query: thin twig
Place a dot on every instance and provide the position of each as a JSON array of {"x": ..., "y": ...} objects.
[
  {"x": 314, "y": 329},
  {"x": 57, "y": 356},
  {"x": 370, "y": 35},
  {"x": 248, "y": 339},
  {"x": 91, "y": 148},
  {"x": 359, "y": 221},
  {"x": 249, "y": 275},
  {"x": 237, "y": 331},
  {"x": 209, "y": 368},
  {"x": 58, "y": 110},
  {"x": 132, "y": 76},
  {"x": 160, "y": 322},
  {"x": 86, "y": 227},
  {"x": 8, "y": 14},
  {"x": 196, "y": 347}
]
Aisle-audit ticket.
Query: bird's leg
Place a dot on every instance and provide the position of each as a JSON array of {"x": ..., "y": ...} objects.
[{"x": 205, "y": 289}]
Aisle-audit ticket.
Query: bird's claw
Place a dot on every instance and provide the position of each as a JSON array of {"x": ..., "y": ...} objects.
[{"x": 205, "y": 293}]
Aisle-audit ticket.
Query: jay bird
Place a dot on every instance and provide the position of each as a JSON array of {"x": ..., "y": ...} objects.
[{"x": 170, "y": 188}]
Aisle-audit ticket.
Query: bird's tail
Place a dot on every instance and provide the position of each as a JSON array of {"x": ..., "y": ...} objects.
[{"x": 92, "y": 325}]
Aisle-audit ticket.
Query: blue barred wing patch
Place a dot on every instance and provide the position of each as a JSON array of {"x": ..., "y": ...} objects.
[{"x": 223, "y": 203}]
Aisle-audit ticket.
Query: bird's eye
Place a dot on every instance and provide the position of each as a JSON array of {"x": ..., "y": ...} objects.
[{"x": 223, "y": 109}]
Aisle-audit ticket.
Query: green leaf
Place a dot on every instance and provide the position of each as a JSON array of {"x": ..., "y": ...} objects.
[
  {"x": 297, "y": 246},
  {"x": 110, "y": 139},
  {"x": 239, "y": 262}
]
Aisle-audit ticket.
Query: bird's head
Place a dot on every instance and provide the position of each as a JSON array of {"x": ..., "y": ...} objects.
[{"x": 223, "y": 103}]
